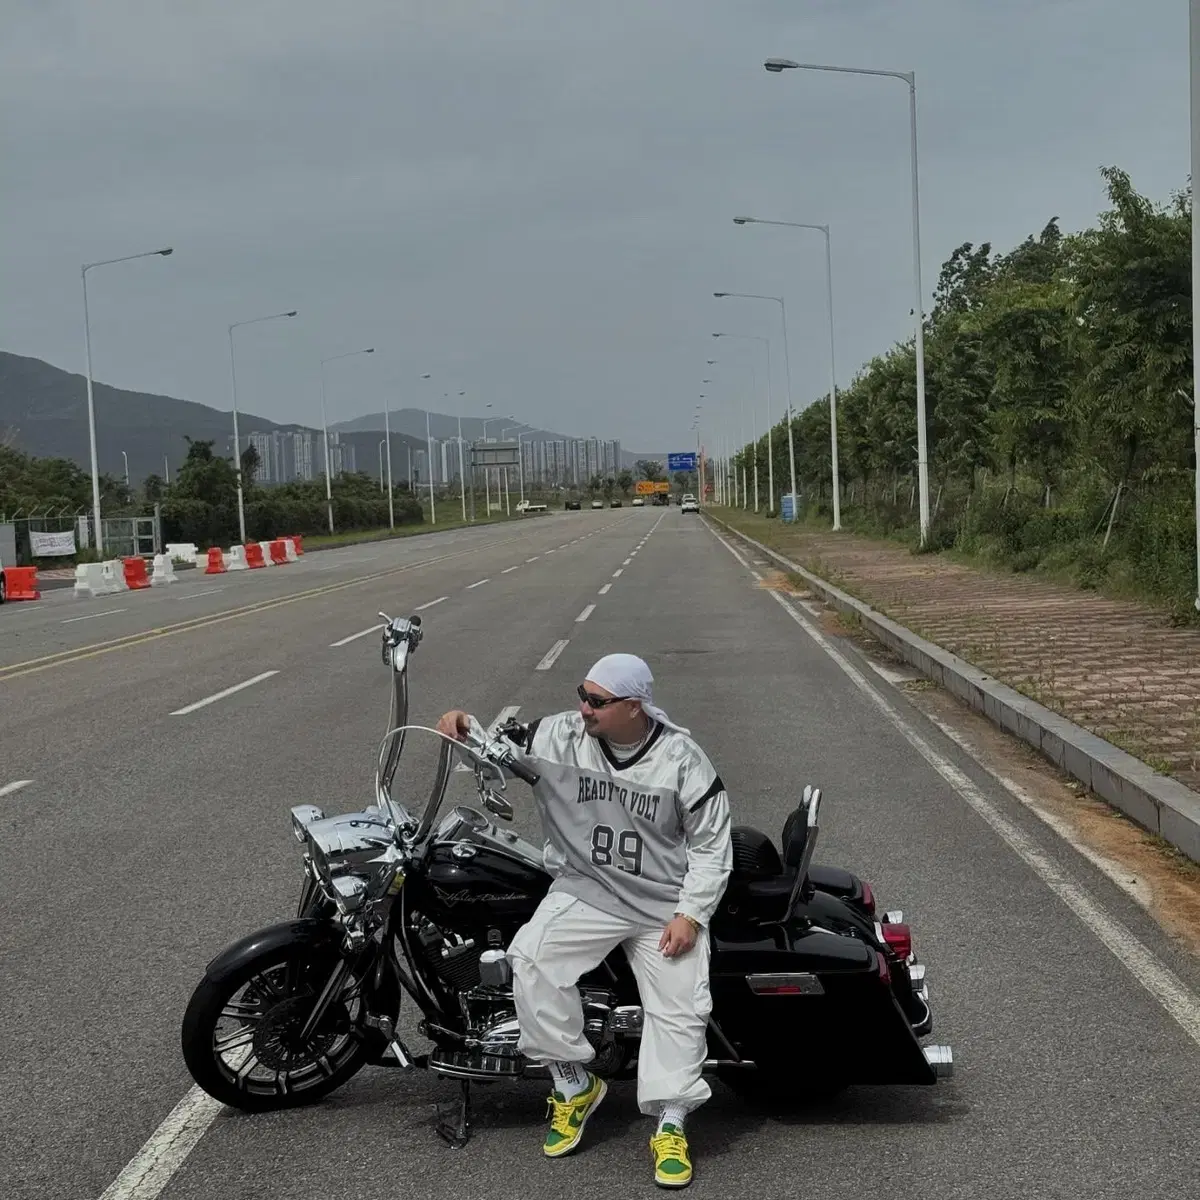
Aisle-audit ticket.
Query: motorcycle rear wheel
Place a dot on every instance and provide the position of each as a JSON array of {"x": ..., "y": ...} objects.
[{"x": 260, "y": 1066}]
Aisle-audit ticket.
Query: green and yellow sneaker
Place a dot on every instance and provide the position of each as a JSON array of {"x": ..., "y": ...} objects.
[
  {"x": 568, "y": 1117},
  {"x": 672, "y": 1167}
]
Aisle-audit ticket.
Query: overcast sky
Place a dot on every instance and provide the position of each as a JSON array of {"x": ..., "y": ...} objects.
[{"x": 532, "y": 199}]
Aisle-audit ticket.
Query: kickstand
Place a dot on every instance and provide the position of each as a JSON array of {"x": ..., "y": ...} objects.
[{"x": 455, "y": 1127}]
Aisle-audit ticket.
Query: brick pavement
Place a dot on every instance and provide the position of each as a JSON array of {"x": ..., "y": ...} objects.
[{"x": 1117, "y": 668}]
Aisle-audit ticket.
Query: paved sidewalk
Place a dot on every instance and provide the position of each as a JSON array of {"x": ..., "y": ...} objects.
[{"x": 1117, "y": 668}]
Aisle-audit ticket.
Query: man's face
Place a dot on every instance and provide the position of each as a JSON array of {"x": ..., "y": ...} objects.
[{"x": 606, "y": 716}]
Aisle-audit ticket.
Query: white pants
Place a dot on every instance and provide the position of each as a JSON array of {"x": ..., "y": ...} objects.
[{"x": 565, "y": 939}]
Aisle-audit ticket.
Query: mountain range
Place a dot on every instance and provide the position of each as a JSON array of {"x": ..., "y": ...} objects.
[{"x": 43, "y": 411}]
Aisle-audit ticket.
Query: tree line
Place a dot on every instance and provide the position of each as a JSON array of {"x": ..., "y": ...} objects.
[{"x": 1059, "y": 407}]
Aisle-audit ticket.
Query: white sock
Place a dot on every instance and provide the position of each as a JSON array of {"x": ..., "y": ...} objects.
[
  {"x": 570, "y": 1079},
  {"x": 672, "y": 1114}
]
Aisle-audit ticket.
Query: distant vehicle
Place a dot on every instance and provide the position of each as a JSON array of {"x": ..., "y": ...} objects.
[
  {"x": 572, "y": 505},
  {"x": 688, "y": 503},
  {"x": 638, "y": 502},
  {"x": 528, "y": 506},
  {"x": 614, "y": 503},
  {"x": 597, "y": 503}
]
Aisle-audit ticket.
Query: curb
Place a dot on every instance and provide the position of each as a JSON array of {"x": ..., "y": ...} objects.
[{"x": 1158, "y": 803}]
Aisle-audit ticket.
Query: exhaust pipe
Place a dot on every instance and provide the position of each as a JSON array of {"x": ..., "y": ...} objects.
[{"x": 941, "y": 1059}]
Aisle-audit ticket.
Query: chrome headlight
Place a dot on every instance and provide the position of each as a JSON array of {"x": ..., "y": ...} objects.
[
  {"x": 353, "y": 844},
  {"x": 303, "y": 815}
]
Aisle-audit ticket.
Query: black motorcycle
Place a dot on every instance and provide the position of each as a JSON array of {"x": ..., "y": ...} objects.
[{"x": 811, "y": 989}]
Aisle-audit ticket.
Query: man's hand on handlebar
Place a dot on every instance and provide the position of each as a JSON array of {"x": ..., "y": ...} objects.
[{"x": 455, "y": 724}]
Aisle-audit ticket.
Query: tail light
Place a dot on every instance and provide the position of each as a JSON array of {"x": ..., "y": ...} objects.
[
  {"x": 885, "y": 973},
  {"x": 899, "y": 940},
  {"x": 868, "y": 898}
]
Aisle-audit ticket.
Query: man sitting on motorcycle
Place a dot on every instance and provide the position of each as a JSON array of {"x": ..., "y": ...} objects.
[{"x": 637, "y": 829}]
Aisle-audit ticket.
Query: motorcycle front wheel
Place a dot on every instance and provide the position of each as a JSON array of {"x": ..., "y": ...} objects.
[{"x": 242, "y": 1038}]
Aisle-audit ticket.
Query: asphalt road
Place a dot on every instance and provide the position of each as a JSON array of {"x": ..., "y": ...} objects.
[{"x": 145, "y": 841}]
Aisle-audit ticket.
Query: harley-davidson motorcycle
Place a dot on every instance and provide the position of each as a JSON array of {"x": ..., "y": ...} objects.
[{"x": 811, "y": 988}]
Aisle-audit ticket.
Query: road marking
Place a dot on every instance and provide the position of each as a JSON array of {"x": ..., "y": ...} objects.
[
  {"x": 108, "y": 612},
  {"x": 193, "y": 595},
  {"x": 627, "y": 561},
  {"x": 150, "y": 1170},
  {"x": 229, "y": 691},
  {"x": 1142, "y": 963},
  {"x": 604, "y": 589},
  {"x": 45, "y": 662},
  {"x": 534, "y": 558},
  {"x": 423, "y": 607},
  {"x": 564, "y": 545},
  {"x": 16, "y": 786},
  {"x": 477, "y": 583},
  {"x": 552, "y": 655},
  {"x": 618, "y": 572},
  {"x": 508, "y": 570},
  {"x": 355, "y": 636},
  {"x": 587, "y": 612},
  {"x": 549, "y": 551}
]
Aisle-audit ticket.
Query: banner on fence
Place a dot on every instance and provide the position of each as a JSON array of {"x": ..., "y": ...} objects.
[{"x": 47, "y": 545}]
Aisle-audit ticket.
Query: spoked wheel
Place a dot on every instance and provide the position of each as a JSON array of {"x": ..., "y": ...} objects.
[{"x": 243, "y": 1036}]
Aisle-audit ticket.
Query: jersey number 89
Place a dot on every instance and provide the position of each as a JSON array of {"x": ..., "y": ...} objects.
[{"x": 628, "y": 849}]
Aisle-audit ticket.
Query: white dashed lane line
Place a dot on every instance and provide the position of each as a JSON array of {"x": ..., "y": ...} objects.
[
  {"x": 423, "y": 607},
  {"x": 509, "y": 570},
  {"x": 618, "y": 572},
  {"x": 551, "y": 655},
  {"x": 229, "y": 691},
  {"x": 355, "y": 636},
  {"x": 477, "y": 583},
  {"x": 108, "y": 612},
  {"x": 587, "y": 612},
  {"x": 604, "y": 589},
  {"x": 9, "y": 788},
  {"x": 534, "y": 558}
]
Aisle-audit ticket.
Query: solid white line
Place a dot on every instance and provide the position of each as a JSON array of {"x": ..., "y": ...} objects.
[
  {"x": 355, "y": 636},
  {"x": 423, "y": 607},
  {"x": 618, "y": 572},
  {"x": 9, "y": 788},
  {"x": 604, "y": 589},
  {"x": 194, "y": 595},
  {"x": 229, "y": 691},
  {"x": 477, "y": 583},
  {"x": 552, "y": 656},
  {"x": 587, "y": 612},
  {"x": 1142, "y": 963},
  {"x": 508, "y": 570},
  {"x": 150, "y": 1170},
  {"x": 108, "y": 612}
]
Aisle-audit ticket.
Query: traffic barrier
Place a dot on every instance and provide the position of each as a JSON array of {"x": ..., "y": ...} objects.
[
  {"x": 265, "y": 548},
  {"x": 299, "y": 543},
  {"x": 216, "y": 561},
  {"x": 235, "y": 560},
  {"x": 183, "y": 551},
  {"x": 164, "y": 571},
  {"x": 135, "y": 574},
  {"x": 254, "y": 555},
  {"x": 289, "y": 548},
  {"x": 94, "y": 579},
  {"x": 278, "y": 553},
  {"x": 117, "y": 567},
  {"x": 20, "y": 583}
]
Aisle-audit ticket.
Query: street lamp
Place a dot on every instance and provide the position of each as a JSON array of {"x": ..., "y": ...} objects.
[
  {"x": 1194, "y": 65},
  {"x": 381, "y": 442},
  {"x": 787, "y": 367},
  {"x": 754, "y": 337},
  {"x": 777, "y": 65},
  {"x": 429, "y": 460},
  {"x": 833, "y": 440},
  {"x": 237, "y": 442},
  {"x": 87, "y": 342},
  {"x": 325, "y": 426},
  {"x": 126, "y": 458}
]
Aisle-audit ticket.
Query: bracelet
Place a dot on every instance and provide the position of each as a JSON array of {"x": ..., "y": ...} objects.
[{"x": 691, "y": 921}]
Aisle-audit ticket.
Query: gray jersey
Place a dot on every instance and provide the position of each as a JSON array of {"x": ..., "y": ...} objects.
[{"x": 642, "y": 838}]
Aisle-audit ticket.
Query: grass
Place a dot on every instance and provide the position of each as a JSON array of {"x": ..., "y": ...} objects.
[{"x": 321, "y": 541}]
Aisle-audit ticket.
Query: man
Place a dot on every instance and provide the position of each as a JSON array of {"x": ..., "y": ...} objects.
[{"x": 637, "y": 838}]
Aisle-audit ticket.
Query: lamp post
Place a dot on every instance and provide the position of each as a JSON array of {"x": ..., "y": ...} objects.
[
  {"x": 87, "y": 343},
  {"x": 126, "y": 458},
  {"x": 753, "y": 337},
  {"x": 237, "y": 442},
  {"x": 1194, "y": 42},
  {"x": 833, "y": 440},
  {"x": 381, "y": 442},
  {"x": 787, "y": 365},
  {"x": 325, "y": 427},
  {"x": 776, "y": 65}
]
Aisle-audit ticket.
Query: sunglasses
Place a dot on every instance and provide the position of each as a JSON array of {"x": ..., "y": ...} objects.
[{"x": 597, "y": 702}]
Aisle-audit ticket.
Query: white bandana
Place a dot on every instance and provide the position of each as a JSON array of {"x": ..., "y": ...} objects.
[{"x": 629, "y": 677}]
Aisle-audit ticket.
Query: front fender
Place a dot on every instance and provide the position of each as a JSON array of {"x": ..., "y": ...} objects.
[{"x": 301, "y": 931}]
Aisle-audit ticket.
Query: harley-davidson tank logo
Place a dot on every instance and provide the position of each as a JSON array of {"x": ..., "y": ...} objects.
[{"x": 465, "y": 896}]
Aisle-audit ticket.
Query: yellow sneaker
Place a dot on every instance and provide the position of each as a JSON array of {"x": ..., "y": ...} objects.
[
  {"x": 568, "y": 1117},
  {"x": 672, "y": 1167}
]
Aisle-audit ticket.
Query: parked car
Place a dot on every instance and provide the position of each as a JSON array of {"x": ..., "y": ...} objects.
[
  {"x": 614, "y": 503},
  {"x": 638, "y": 502},
  {"x": 573, "y": 505},
  {"x": 597, "y": 503}
]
